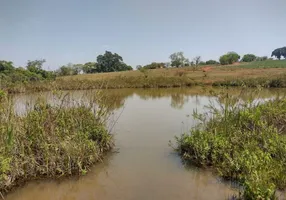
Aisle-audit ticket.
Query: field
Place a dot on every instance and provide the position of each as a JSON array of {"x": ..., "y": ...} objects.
[
  {"x": 256, "y": 74},
  {"x": 205, "y": 74}
]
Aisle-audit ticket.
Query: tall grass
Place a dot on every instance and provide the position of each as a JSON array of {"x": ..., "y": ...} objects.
[
  {"x": 264, "y": 64},
  {"x": 269, "y": 82},
  {"x": 50, "y": 140},
  {"x": 244, "y": 142}
]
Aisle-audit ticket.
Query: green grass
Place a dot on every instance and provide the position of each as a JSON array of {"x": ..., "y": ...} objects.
[
  {"x": 242, "y": 142},
  {"x": 50, "y": 140}
]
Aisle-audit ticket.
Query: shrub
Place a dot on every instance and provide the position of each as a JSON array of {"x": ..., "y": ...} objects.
[
  {"x": 242, "y": 141},
  {"x": 212, "y": 62},
  {"x": 248, "y": 58},
  {"x": 229, "y": 58},
  {"x": 50, "y": 140}
]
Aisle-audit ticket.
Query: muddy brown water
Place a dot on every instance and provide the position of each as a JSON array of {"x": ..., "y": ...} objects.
[{"x": 144, "y": 166}]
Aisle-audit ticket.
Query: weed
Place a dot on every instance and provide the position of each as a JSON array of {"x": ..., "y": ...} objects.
[
  {"x": 50, "y": 140},
  {"x": 242, "y": 141}
]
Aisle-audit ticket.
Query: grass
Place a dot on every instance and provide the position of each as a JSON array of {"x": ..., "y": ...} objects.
[
  {"x": 243, "y": 142},
  {"x": 264, "y": 64},
  {"x": 263, "y": 73},
  {"x": 50, "y": 141}
]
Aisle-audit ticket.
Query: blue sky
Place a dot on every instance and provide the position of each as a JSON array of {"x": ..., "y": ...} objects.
[{"x": 141, "y": 31}]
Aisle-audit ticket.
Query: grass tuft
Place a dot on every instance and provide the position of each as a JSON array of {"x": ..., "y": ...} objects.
[
  {"x": 50, "y": 140},
  {"x": 244, "y": 142}
]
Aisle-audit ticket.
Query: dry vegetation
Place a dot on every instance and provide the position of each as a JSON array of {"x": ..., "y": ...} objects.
[{"x": 213, "y": 74}]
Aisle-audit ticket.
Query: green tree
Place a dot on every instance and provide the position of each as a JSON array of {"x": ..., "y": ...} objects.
[
  {"x": 35, "y": 65},
  {"x": 76, "y": 68},
  {"x": 212, "y": 62},
  {"x": 89, "y": 68},
  {"x": 263, "y": 58},
  {"x": 278, "y": 53},
  {"x": 6, "y": 66},
  {"x": 202, "y": 63},
  {"x": 178, "y": 59},
  {"x": 229, "y": 58},
  {"x": 248, "y": 58},
  {"x": 65, "y": 71},
  {"x": 154, "y": 65},
  {"x": 111, "y": 62}
]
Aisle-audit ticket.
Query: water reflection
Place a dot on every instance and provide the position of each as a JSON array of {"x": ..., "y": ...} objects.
[
  {"x": 114, "y": 99},
  {"x": 145, "y": 167}
]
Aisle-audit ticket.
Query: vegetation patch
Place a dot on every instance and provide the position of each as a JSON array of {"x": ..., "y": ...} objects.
[
  {"x": 50, "y": 140},
  {"x": 244, "y": 142}
]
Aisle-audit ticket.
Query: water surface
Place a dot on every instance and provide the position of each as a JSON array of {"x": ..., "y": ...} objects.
[{"x": 144, "y": 166}]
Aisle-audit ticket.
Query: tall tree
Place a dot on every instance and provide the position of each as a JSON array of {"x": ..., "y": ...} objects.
[
  {"x": 111, "y": 62},
  {"x": 278, "y": 53},
  {"x": 178, "y": 59}
]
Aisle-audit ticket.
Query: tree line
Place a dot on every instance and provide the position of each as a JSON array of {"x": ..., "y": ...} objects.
[
  {"x": 179, "y": 60},
  {"x": 113, "y": 62}
]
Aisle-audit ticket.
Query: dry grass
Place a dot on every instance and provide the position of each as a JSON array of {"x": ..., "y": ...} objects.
[{"x": 213, "y": 75}]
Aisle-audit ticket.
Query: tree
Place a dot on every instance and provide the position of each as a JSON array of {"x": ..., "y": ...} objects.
[
  {"x": 155, "y": 65},
  {"x": 248, "y": 58},
  {"x": 263, "y": 58},
  {"x": 89, "y": 68},
  {"x": 110, "y": 62},
  {"x": 65, "y": 71},
  {"x": 76, "y": 68},
  {"x": 278, "y": 53},
  {"x": 197, "y": 60},
  {"x": 69, "y": 69},
  {"x": 212, "y": 62},
  {"x": 178, "y": 59},
  {"x": 6, "y": 66},
  {"x": 229, "y": 58},
  {"x": 35, "y": 65},
  {"x": 138, "y": 67}
]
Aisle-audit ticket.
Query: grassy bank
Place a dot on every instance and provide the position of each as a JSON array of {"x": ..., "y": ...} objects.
[
  {"x": 242, "y": 142},
  {"x": 50, "y": 141},
  {"x": 272, "y": 81},
  {"x": 255, "y": 74}
]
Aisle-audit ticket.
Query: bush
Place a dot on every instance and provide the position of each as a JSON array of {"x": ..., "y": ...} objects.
[
  {"x": 212, "y": 62},
  {"x": 248, "y": 58},
  {"x": 50, "y": 141},
  {"x": 229, "y": 58},
  {"x": 243, "y": 142},
  {"x": 263, "y": 58}
]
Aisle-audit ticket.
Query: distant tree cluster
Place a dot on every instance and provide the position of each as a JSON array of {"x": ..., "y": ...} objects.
[
  {"x": 248, "y": 58},
  {"x": 108, "y": 62},
  {"x": 229, "y": 58},
  {"x": 33, "y": 72},
  {"x": 154, "y": 65},
  {"x": 212, "y": 62},
  {"x": 113, "y": 62},
  {"x": 278, "y": 53}
]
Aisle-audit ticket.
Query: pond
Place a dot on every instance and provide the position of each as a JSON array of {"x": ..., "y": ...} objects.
[{"x": 143, "y": 165}]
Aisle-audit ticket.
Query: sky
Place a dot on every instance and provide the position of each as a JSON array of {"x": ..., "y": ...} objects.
[{"x": 141, "y": 31}]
